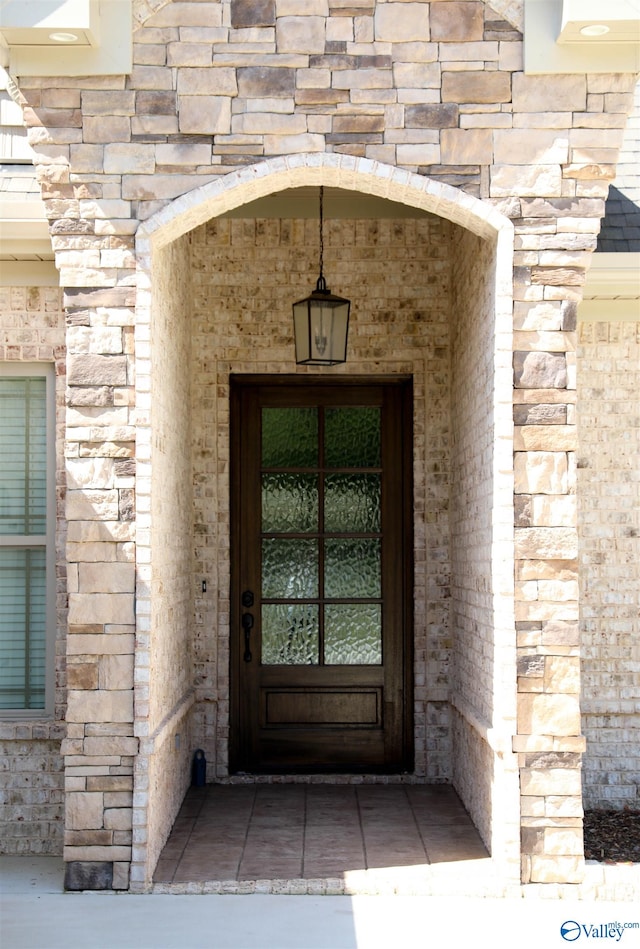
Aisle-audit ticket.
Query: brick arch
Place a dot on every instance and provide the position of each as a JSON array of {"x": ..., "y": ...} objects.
[{"x": 338, "y": 171}]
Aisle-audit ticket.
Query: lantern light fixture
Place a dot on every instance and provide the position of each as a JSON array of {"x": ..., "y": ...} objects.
[{"x": 321, "y": 320}]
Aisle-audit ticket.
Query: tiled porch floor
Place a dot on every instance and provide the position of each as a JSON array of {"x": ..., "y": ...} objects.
[{"x": 354, "y": 833}]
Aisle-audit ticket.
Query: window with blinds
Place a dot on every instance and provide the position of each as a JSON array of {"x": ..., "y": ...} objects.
[{"x": 25, "y": 537}]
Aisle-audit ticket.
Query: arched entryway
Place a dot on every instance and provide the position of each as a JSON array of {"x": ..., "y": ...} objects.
[{"x": 428, "y": 269}]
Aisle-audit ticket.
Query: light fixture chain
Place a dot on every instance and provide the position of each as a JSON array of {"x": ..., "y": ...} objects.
[{"x": 321, "y": 231}]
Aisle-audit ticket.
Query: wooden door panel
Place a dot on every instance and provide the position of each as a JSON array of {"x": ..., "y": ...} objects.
[
  {"x": 321, "y": 707},
  {"x": 326, "y": 753},
  {"x": 320, "y": 648}
]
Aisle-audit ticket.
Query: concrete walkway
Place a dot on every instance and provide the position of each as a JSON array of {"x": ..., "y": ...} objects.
[{"x": 36, "y": 914}]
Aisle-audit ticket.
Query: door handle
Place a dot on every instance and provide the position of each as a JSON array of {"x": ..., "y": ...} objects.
[{"x": 247, "y": 625}]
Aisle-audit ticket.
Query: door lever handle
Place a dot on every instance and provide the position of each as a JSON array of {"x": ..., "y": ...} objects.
[{"x": 247, "y": 625}]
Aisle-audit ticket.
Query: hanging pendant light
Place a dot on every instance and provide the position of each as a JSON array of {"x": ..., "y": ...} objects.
[{"x": 321, "y": 320}]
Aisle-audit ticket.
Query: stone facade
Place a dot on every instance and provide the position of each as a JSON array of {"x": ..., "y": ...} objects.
[{"x": 474, "y": 293}]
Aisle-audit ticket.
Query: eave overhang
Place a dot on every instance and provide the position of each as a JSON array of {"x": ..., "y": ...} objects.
[
  {"x": 581, "y": 36},
  {"x": 66, "y": 37},
  {"x": 612, "y": 288}
]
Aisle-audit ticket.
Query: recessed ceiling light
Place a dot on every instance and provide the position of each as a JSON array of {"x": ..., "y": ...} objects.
[
  {"x": 596, "y": 29},
  {"x": 64, "y": 37}
]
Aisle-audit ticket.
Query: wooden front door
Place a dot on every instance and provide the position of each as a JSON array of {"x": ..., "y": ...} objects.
[{"x": 321, "y": 659}]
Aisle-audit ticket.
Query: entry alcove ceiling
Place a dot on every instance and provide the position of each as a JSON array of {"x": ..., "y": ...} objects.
[{"x": 338, "y": 203}]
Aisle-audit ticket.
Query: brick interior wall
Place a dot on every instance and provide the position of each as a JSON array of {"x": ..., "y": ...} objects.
[
  {"x": 246, "y": 273},
  {"x": 609, "y": 527}
]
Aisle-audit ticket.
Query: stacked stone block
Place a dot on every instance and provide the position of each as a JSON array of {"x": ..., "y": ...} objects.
[
  {"x": 100, "y": 746},
  {"x": 434, "y": 88},
  {"x": 549, "y": 742}
]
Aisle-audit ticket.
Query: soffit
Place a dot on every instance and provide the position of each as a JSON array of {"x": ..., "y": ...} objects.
[
  {"x": 554, "y": 42},
  {"x": 304, "y": 203},
  {"x": 614, "y": 277},
  {"x": 66, "y": 37}
]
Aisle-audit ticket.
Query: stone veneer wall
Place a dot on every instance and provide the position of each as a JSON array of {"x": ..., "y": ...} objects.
[
  {"x": 100, "y": 746},
  {"x": 245, "y": 275},
  {"x": 609, "y": 527},
  {"x": 434, "y": 88},
  {"x": 32, "y": 776},
  {"x": 549, "y": 740}
]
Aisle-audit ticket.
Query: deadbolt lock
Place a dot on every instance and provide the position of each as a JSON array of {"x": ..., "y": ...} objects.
[{"x": 247, "y": 599}]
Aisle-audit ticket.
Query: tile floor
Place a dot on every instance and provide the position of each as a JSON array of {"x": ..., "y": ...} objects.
[{"x": 298, "y": 832}]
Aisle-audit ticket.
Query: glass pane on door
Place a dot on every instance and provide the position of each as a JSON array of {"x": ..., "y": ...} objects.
[
  {"x": 353, "y": 634},
  {"x": 289, "y": 568},
  {"x": 289, "y": 503},
  {"x": 352, "y": 503},
  {"x": 290, "y": 634},
  {"x": 290, "y": 438},
  {"x": 336, "y": 580},
  {"x": 352, "y": 437},
  {"x": 352, "y": 568}
]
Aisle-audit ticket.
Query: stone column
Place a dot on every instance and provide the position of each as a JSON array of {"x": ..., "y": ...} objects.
[
  {"x": 549, "y": 743},
  {"x": 100, "y": 747}
]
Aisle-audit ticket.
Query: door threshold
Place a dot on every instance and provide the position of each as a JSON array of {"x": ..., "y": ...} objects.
[{"x": 333, "y": 777}]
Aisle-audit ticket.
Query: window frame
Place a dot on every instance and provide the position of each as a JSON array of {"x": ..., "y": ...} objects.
[{"x": 46, "y": 541}]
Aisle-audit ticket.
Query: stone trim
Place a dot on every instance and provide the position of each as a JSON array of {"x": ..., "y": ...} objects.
[
  {"x": 332, "y": 170},
  {"x": 617, "y": 883},
  {"x": 499, "y": 740}
]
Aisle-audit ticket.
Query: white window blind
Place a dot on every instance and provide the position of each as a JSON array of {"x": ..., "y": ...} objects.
[
  {"x": 25, "y": 573},
  {"x": 23, "y": 456},
  {"x": 22, "y": 628}
]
